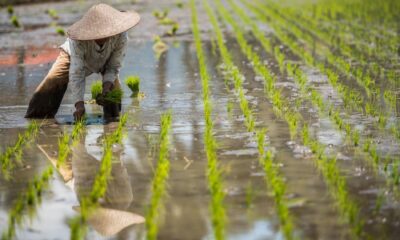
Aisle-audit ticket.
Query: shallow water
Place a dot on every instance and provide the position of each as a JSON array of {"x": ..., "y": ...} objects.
[{"x": 172, "y": 82}]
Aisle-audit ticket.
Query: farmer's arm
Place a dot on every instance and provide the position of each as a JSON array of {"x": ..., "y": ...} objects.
[
  {"x": 114, "y": 63},
  {"x": 77, "y": 71},
  {"x": 77, "y": 77}
]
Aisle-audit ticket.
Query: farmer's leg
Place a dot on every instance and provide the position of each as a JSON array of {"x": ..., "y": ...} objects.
[
  {"x": 112, "y": 110},
  {"x": 48, "y": 95}
]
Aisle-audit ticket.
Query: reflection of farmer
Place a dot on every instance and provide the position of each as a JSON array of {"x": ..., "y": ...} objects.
[
  {"x": 96, "y": 44},
  {"x": 110, "y": 217}
]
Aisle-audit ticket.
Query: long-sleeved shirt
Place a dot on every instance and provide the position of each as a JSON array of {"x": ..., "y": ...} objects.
[{"x": 86, "y": 57}]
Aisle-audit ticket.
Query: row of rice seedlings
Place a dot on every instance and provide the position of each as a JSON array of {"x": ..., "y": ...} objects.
[
  {"x": 314, "y": 96},
  {"x": 163, "y": 19},
  {"x": 67, "y": 140},
  {"x": 88, "y": 203},
  {"x": 115, "y": 95},
  {"x": 158, "y": 184},
  {"x": 266, "y": 159},
  {"x": 6, "y": 158},
  {"x": 332, "y": 35},
  {"x": 348, "y": 96},
  {"x": 31, "y": 198},
  {"x": 364, "y": 78},
  {"x": 377, "y": 43},
  {"x": 374, "y": 70},
  {"x": 336, "y": 183},
  {"x": 52, "y": 13},
  {"x": 214, "y": 172},
  {"x": 348, "y": 208},
  {"x": 378, "y": 37},
  {"x": 13, "y": 18},
  {"x": 24, "y": 208}
]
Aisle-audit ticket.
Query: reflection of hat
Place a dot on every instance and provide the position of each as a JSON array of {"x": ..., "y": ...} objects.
[
  {"x": 109, "y": 222},
  {"x": 102, "y": 21}
]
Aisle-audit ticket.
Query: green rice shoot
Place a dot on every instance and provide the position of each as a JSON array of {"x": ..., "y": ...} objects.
[{"x": 133, "y": 83}]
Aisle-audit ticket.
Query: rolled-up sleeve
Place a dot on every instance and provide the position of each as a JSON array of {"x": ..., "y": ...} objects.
[
  {"x": 114, "y": 63},
  {"x": 77, "y": 70}
]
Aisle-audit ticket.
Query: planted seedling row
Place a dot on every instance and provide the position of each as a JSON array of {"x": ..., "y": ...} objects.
[
  {"x": 214, "y": 172},
  {"x": 370, "y": 107},
  {"x": 317, "y": 100},
  {"x": 333, "y": 35},
  {"x": 357, "y": 72},
  {"x": 327, "y": 165},
  {"x": 159, "y": 182},
  {"x": 88, "y": 203},
  {"x": 266, "y": 159},
  {"x": 348, "y": 95},
  {"x": 379, "y": 37},
  {"x": 6, "y": 158},
  {"x": 346, "y": 68},
  {"x": 373, "y": 69},
  {"x": 25, "y": 206},
  {"x": 66, "y": 141},
  {"x": 31, "y": 198}
]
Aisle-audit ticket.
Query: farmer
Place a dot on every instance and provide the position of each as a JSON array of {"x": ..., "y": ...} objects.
[{"x": 95, "y": 44}]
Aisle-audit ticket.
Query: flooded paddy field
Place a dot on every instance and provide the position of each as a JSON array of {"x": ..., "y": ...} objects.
[{"x": 255, "y": 120}]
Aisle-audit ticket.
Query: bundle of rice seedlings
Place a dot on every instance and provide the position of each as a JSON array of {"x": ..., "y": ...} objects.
[
  {"x": 97, "y": 88},
  {"x": 133, "y": 83}
]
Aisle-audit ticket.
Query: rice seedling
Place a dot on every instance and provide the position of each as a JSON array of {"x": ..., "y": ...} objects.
[
  {"x": 27, "y": 202},
  {"x": 173, "y": 30},
  {"x": 78, "y": 225},
  {"x": 52, "y": 13},
  {"x": 67, "y": 140},
  {"x": 250, "y": 192},
  {"x": 179, "y": 4},
  {"x": 16, "y": 151},
  {"x": 133, "y": 83},
  {"x": 114, "y": 96},
  {"x": 214, "y": 173},
  {"x": 229, "y": 107},
  {"x": 14, "y": 21},
  {"x": 161, "y": 14},
  {"x": 10, "y": 9},
  {"x": 159, "y": 47},
  {"x": 158, "y": 185},
  {"x": 166, "y": 21},
  {"x": 60, "y": 31},
  {"x": 96, "y": 89}
]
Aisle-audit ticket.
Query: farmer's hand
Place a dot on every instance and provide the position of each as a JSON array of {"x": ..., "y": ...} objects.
[
  {"x": 107, "y": 87},
  {"x": 79, "y": 110}
]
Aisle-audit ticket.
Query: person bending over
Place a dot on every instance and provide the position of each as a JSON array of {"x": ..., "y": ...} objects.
[{"x": 95, "y": 44}]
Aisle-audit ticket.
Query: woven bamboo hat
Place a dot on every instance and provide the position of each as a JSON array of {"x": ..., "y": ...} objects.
[{"x": 102, "y": 21}]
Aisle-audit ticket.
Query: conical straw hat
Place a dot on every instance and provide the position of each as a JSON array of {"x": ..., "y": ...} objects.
[
  {"x": 102, "y": 21},
  {"x": 109, "y": 222}
]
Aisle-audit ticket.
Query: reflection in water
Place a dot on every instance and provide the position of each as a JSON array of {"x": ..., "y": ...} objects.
[{"x": 111, "y": 216}]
